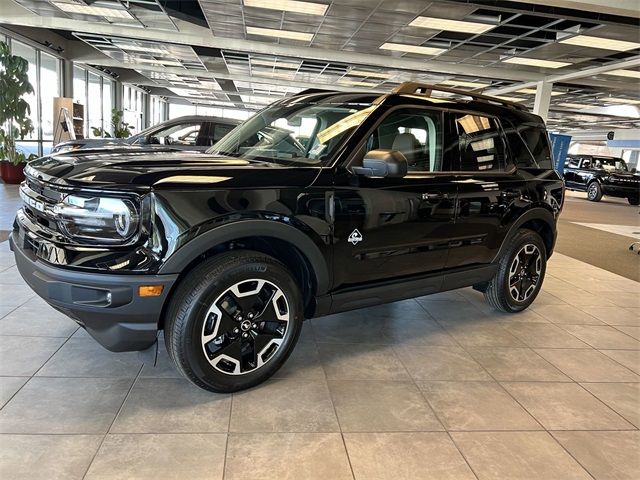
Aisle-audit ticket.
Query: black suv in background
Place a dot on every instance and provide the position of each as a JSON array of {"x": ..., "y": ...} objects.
[
  {"x": 598, "y": 175},
  {"x": 191, "y": 132},
  {"x": 321, "y": 203}
]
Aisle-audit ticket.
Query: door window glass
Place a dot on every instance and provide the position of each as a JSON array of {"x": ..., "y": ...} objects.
[
  {"x": 478, "y": 141},
  {"x": 416, "y": 133},
  {"x": 573, "y": 162},
  {"x": 177, "y": 135}
]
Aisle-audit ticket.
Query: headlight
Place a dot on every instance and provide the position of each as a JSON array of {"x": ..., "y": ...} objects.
[
  {"x": 65, "y": 148},
  {"x": 101, "y": 219}
]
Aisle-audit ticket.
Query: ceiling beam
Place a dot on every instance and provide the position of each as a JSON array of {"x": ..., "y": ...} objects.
[
  {"x": 625, "y": 8},
  {"x": 570, "y": 77},
  {"x": 190, "y": 34}
]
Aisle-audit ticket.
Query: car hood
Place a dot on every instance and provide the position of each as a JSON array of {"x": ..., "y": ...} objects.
[{"x": 145, "y": 169}]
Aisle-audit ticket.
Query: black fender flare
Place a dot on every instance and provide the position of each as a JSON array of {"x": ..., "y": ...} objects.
[
  {"x": 534, "y": 213},
  {"x": 191, "y": 250}
]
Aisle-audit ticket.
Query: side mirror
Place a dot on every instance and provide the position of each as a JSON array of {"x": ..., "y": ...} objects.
[{"x": 383, "y": 163}]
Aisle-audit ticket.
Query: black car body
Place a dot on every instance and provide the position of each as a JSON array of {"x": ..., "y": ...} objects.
[
  {"x": 600, "y": 175},
  {"x": 418, "y": 195},
  {"x": 191, "y": 132}
]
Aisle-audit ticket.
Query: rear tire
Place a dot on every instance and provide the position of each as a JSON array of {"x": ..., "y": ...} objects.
[
  {"x": 634, "y": 200},
  {"x": 520, "y": 273},
  {"x": 594, "y": 192},
  {"x": 233, "y": 321}
]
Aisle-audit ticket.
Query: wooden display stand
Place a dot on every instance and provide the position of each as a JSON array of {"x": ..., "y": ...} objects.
[{"x": 75, "y": 111}]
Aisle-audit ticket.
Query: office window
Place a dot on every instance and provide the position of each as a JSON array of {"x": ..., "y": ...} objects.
[
  {"x": 107, "y": 105},
  {"x": 50, "y": 88},
  {"x": 30, "y": 55}
]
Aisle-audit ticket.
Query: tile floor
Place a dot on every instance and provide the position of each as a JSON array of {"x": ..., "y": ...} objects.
[{"x": 440, "y": 387}]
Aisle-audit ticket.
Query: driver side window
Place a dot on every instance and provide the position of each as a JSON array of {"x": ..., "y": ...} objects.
[
  {"x": 416, "y": 133},
  {"x": 183, "y": 134}
]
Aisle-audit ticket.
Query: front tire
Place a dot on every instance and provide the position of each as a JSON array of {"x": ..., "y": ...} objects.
[
  {"x": 634, "y": 200},
  {"x": 233, "y": 321},
  {"x": 594, "y": 192},
  {"x": 520, "y": 273}
]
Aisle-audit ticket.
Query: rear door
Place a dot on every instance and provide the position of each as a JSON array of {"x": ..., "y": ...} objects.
[{"x": 488, "y": 186}]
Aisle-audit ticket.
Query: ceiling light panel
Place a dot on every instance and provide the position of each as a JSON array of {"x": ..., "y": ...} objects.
[
  {"x": 450, "y": 25},
  {"x": 535, "y": 62},
  {"x": 356, "y": 83},
  {"x": 533, "y": 91},
  {"x": 364, "y": 73},
  {"x": 462, "y": 83},
  {"x": 624, "y": 73},
  {"x": 93, "y": 10},
  {"x": 309, "y": 8},
  {"x": 599, "y": 42},
  {"x": 626, "y": 101},
  {"x": 401, "y": 47},
  {"x": 288, "y": 34},
  {"x": 576, "y": 106}
]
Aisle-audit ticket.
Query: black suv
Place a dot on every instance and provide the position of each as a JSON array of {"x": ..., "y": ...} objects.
[
  {"x": 321, "y": 203},
  {"x": 598, "y": 176}
]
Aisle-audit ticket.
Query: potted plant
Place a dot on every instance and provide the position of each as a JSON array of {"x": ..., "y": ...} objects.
[
  {"x": 15, "y": 123},
  {"x": 120, "y": 129}
]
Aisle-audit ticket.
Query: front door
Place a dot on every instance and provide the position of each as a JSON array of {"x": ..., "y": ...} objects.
[{"x": 387, "y": 228}]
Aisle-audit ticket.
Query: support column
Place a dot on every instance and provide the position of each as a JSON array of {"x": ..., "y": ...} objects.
[{"x": 543, "y": 99}]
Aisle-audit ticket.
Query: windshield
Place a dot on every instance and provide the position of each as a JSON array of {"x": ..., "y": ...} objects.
[
  {"x": 610, "y": 164},
  {"x": 295, "y": 133}
]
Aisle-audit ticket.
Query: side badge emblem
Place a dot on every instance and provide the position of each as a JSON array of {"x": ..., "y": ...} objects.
[{"x": 355, "y": 237}]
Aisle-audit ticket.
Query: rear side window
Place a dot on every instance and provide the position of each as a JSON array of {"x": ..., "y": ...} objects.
[
  {"x": 477, "y": 141},
  {"x": 529, "y": 145}
]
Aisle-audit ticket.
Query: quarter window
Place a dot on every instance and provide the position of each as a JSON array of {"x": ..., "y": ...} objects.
[{"x": 478, "y": 142}]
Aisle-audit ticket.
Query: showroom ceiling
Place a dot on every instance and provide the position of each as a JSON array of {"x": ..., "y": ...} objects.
[{"x": 262, "y": 49}]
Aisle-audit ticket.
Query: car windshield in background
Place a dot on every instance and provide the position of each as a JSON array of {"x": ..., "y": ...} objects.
[
  {"x": 294, "y": 133},
  {"x": 610, "y": 164}
]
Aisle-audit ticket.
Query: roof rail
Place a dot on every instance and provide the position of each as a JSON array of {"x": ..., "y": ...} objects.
[{"x": 426, "y": 89}]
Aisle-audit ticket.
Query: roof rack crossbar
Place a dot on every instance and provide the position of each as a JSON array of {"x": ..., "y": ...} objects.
[{"x": 426, "y": 89}]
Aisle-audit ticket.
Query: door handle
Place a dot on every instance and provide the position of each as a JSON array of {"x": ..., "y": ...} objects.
[
  {"x": 434, "y": 196},
  {"x": 510, "y": 194}
]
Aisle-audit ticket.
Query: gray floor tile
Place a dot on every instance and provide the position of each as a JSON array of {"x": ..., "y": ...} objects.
[
  {"x": 481, "y": 334},
  {"x": 303, "y": 364},
  {"x": 54, "y": 457},
  {"x": 566, "y": 314},
  {"x": 517, "y": 456},
  {"x": 9, "y": 386},
  {"x": 163, "y": 368},
  {"x": 287, "y": 456},
  {"x": 584, "y": 365},
  {"x": 381, "y": 406},
  {"x": 37, "y": 319},
  {"x": 628, "y": 358},
  {"x": 542, "y": 335},
  {"x": 516, "y": 364},
  {"x": 632, "y": 331},
  {"x": 64, "y": 405},
  {"x": 453, "y": 311},
  {"x": 172, "y": 405},
  {"x": 15, "y": 295},
  {"x": 565, "y": 406},
  {"x": 23, "y": 356},
  {"x": 87, "y": 358},
  {"x": 415, "y": 331},
  {"x": 361, "y": 362},
  {"x": 606, "y": 455},
  {"x": 168, "y": 456},
  {"x": 440, "y": 363},
  {"x": 476, "y": 406},
  {"x": 614, "y": 315},
  {"x": 348, "y": 327},
  {"x": 624, "y": 398},
  {"x": 414, "y": 455},
  {"x": 603, "y": 336},
  {"x": 284, "y": 406}
]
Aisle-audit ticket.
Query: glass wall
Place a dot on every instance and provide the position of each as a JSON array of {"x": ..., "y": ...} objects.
[
  {"x": 133, "y": 102},
  {"x": 159, "y": 111},
  {"x": 96, "y": 93},
  {"x": 45, "y": 77},
  {"x": 179, "y": 110}
]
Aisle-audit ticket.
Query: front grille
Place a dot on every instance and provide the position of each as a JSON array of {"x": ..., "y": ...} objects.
[{"x": 38, "y": 202}]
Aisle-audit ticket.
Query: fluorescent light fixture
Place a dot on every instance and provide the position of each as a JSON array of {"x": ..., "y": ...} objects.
[
  {"x": 576, "y": 106},
  {"x": 599, "y": 42},
  {"x": 89, "y": 10},
  {"x": 533, "y": 91},
  {"x": 355, "y": 83},
  {"x": 450, "y": 25},
  {"x": 624, "y": 73},
  {"x": 270, "y": 32},
  {"x": 535, "y": 62},
  {"x": 401, "y": 47},
  {"x": 508, "y": 99},
  {"x": 273, "y": 63},
  {"x": 296, "y": 6},
  {"x": 364, "y": 73},
  {"x": 137, "y": 48},
  {"x": 462, "y": 83},
  {"x": 626, "y": 101},
  {"x": 169, "y": 63}
]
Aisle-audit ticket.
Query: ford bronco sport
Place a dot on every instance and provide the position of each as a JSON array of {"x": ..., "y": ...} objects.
[{"x": 321, "y": 203}]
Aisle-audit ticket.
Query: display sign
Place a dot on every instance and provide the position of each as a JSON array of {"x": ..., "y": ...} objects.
[{"x": 559, "y": 150}]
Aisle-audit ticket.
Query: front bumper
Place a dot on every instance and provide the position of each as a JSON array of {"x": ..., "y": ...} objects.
[
  {"x": 621, "y": 190},
  {"x": 106, "y": 305}
]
